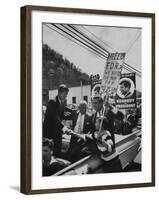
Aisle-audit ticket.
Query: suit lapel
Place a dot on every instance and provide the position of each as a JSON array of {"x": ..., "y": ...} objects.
[
  {"x": 86, "y": 119},
  {"x": 60, "y": 108},
  {"x": 75, "y": 119},
  {"x": 94, "y": 117}
]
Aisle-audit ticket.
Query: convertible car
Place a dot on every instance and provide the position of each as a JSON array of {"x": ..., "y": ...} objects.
[{"x": 128, "y": 147}]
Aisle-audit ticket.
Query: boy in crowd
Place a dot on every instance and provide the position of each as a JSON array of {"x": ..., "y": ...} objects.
[{"x": 51, "y": 164}]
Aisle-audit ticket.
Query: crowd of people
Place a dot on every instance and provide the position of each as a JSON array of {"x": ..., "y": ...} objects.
[{"x": 91, "y": 133}]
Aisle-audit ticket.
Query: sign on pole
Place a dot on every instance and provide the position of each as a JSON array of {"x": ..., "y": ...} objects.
[
  {"x": 96, "y": 88},
  {"x": 112, "y": 72},
  {"x": 126, "y": 93}
]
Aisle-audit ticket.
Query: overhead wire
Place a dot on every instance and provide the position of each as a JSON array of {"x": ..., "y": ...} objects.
[
  {"x": 74, "y": 41},
  {"x": 78, "y": 39},
  {"x": 138, "y": 35},
  {"x": 97, "y": 38},
  {"x": 88, "y": 45},
  {"x": 132, "y": 68},
  {"x": 68, "y": 27},
  {"x": 97, "y": 45},
  {"x": 133, "y": 42}
]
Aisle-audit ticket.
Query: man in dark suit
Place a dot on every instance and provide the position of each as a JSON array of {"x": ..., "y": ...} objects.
[
  {"x": 81, "y": 125},
  {"x": 52, "y": 125},
  {"x": 108, "y": 112}
]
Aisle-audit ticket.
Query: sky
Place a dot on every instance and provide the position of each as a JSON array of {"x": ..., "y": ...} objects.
[{"x": 113, "y": 39}]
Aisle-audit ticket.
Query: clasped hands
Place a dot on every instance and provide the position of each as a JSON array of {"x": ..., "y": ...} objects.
[{"x": 79, "y": 136}]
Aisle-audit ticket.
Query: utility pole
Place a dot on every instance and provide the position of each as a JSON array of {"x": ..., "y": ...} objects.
[{"x": 81, "y": 84}]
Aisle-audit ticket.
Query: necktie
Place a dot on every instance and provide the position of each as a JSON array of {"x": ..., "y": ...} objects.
[{"x": 78, "y": 127}]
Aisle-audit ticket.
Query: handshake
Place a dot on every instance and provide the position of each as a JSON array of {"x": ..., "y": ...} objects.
[
  {"x": 77, "y": 135},
  {"x": 67, "y": 130}
]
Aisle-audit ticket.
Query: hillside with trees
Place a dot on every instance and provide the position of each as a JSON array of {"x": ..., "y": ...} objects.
[{"x": 59, "y": 70}]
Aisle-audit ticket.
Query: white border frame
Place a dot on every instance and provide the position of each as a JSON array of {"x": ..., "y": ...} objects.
[{"x": 39, "y": 182}]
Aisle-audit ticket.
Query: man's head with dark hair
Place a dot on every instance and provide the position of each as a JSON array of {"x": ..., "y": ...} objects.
[
  {"x": 62, "y": 93},
  {"x": 98, "y": 98},
  {"x": 125, "y": 87},
  {"x": 48, "y": 142},
  {"x": 63, "y": 88},
  {"x": 47, "y": 149},
  {"x": 97, "y": 103}
]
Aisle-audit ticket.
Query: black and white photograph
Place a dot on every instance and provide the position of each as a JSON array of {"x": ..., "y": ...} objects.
[
  {"x": 88, "y": 94},
  {"x": 91, "y": 99}
]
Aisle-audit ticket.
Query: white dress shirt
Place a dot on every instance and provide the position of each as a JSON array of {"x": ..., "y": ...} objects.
[{"x": 79, "y": 123}]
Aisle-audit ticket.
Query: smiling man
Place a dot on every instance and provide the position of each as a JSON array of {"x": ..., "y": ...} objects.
[{"x": 125, "y": 88}]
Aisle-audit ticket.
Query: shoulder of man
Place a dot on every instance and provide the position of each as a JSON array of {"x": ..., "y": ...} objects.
[
  {"x": 108, "y": 114},
  {"x": 75, "y": 114},
  {"x": 55, "y": 100},
  {"x": 52, "y": 102}
]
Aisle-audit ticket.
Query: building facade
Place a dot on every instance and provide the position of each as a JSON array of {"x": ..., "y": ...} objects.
[{"x": 75, "y": 94}]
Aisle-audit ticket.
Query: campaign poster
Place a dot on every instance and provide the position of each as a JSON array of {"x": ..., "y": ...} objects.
[
  {"x": 112, "y": 72},
  {"x": 96, "y": 89},
  {"x": 126, "y": 93}
]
